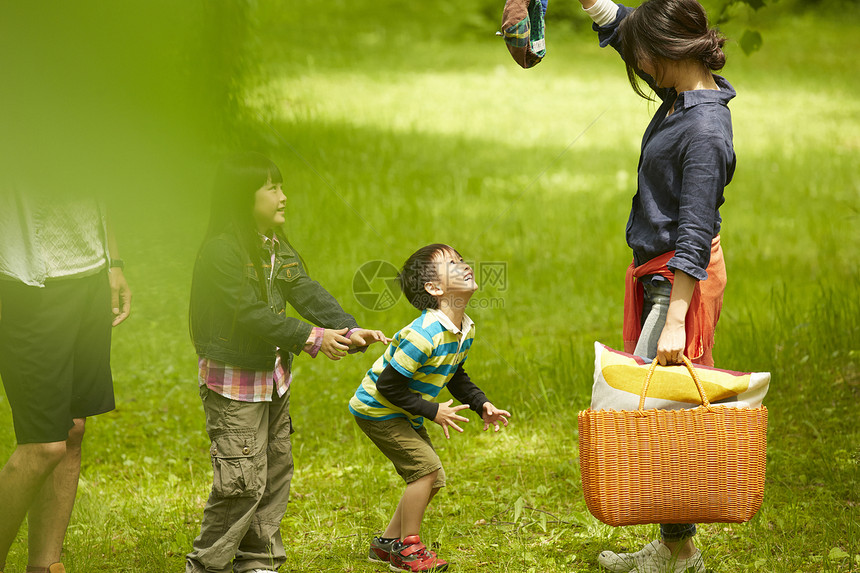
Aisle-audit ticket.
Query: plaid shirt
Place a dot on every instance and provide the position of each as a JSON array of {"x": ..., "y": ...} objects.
[
  {"x": 246, "y": 385},
  {"x": 241, "y": 384}
]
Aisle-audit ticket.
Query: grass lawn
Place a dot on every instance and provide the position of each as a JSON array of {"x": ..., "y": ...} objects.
[{"x": 408, "y": 124}]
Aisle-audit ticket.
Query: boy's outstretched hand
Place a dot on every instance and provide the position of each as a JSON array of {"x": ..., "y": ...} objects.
[
  {"x": 363, "y": 337},
  {"x": 447, "y": 416},
  {"x": 492, "y": 415}
]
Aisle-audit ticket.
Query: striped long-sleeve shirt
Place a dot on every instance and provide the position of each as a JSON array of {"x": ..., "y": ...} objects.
[{"x": 428, "y": 351}]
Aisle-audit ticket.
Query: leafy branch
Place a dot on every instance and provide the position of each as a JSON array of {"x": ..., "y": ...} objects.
[{"x": 751, "y": 41}]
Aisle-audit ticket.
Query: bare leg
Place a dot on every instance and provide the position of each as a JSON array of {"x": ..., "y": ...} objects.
[
  {"x": 407, "y": 517},
  {"x": 681, "y": 549},
  {"x": 20, "y": 481},
  {"x": 49, "y": 516},
  {"x": 393, "y": 529}
]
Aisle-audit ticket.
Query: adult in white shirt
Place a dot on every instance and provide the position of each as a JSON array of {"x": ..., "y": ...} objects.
[{"x": 62, "y": 288}]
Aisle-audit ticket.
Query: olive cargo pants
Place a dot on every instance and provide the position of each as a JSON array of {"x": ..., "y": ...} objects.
[{"x": 252, "y": 464}]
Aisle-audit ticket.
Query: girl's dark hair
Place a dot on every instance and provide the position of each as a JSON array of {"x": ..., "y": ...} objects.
[
  {"x": 669, "y": 30},
  {"x": 239, "y": 177},
  {"x": 419, "y": 269}
]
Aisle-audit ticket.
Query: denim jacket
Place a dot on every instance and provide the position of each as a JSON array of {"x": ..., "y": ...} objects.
[{"x": 231, "y": 322}]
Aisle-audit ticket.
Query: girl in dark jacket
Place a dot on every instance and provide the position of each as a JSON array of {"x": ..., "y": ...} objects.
[{"x": 245, "y": 274}]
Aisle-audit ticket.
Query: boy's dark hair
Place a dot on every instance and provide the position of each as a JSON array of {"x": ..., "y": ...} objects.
[
  {"x": 670, "y": 30},
  {"x": 419, "y": 269}
]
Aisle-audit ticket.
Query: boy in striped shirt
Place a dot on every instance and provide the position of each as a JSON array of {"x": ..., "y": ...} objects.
[{"x": 398, "y": 393}]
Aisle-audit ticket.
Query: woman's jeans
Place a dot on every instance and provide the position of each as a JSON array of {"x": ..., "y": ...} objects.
[{"x": 654, "y": 310}]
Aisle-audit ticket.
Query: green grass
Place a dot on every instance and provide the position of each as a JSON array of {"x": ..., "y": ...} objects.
[{"x": 416, "y": 128}]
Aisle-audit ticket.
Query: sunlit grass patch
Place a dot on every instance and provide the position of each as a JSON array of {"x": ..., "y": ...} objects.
[{"x": 418, "y": 144}]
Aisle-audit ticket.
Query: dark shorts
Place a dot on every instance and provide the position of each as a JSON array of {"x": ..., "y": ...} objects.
[{"x": 55, "y": 354}]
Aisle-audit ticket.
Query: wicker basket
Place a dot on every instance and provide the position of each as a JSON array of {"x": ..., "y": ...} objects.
[{"x": 701, "y": 465}]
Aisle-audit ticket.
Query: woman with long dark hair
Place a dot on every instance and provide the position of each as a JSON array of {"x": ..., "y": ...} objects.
[{"x": 676, "y": 281}]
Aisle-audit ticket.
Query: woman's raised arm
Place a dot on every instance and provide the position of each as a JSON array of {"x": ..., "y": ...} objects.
[{"x": 603, "y": 12}]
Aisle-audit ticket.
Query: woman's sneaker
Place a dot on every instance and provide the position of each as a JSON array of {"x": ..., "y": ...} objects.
[
  {"x": 662, "y": 561},
  {"x": 624, "y": 562},
  {"x": 380, "y": 550},
  {"x": 411, "y": 555}
]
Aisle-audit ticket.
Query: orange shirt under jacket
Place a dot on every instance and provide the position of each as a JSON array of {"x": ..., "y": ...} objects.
[{"x": 704, "y": 311}]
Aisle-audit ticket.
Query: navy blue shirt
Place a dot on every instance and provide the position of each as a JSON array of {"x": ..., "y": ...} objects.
[{"x": 685, "y": 163}]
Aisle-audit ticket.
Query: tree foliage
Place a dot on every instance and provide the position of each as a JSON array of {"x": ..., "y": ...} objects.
[{"x": 738, "y": 12}]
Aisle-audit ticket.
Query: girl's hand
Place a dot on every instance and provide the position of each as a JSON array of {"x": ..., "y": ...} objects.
[
  {"x": 447, "y": 416},
  {"x": 492, "y": 415},
  {"x": 363, "y": 337},
  {"x": 334, "y": 343}
]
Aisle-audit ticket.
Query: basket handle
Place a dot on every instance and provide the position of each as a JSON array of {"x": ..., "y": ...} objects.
[{"x": 705, "y": 402}]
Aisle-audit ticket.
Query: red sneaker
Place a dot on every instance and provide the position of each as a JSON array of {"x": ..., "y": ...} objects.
[
  {"x": 380, "y": 551},
  {"x": 411, "y": 555}
]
